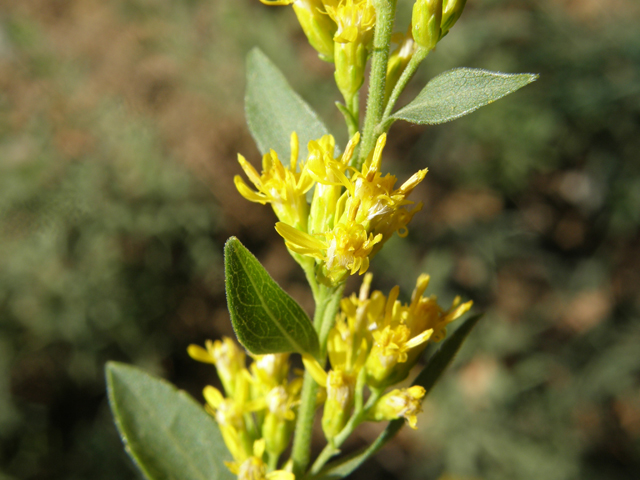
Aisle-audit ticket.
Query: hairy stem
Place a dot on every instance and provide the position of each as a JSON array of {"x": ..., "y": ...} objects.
[
  {"x": 417, "y": 58},
  {"x": 385, "y": 13},
  {"x": 328, "y": 301}
]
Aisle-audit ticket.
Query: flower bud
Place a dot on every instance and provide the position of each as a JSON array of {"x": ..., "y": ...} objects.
[
  {"x": 337, "y": 407},
  {"x": 451, "y": 11},
  {"x": 425, "y": 22},
  {"x": 399, "y": 403},
  {"x": 398, "y": 61},
  {"x": 277, "y": 426},
  {"x": 317, "y": 26}
]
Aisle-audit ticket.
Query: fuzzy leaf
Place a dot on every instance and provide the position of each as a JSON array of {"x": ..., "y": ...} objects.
[
  {"x": 427, "y": 378},
  {"x": 167, "y": 433},
  {"x": 458, "y": 92},
  {"x": 274, "y": 110},
  {"x": 265, "y": 318}
]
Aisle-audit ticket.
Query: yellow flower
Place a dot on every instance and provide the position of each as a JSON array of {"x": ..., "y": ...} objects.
[
  {"x": 397, "y": 333},
  {"x": 355, "y": 20},
  {"x": 229, "y": 415},
  {"x": 343, "y": 250},
  {"x": 270, "y": 369},
  {"x": 380, "y": 207},
  {"x": 283, "y": 187},
  {"x": 226, "y": 356},
  {"x": 278, "y": 421},
  {"x": 339, "y": 403},
  {"x": 330, "y": 175},
  {"x": 399, "y": 403},
  {"x": 254, "y": 468}
]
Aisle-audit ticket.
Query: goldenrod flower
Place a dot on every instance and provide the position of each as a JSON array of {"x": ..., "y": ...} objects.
[
  {"x": 228, "y": 358},
  {"x": 394, "y": 333},
  {"x": 339, "y": 403},
  {"x": 390, "y": 347},
  {"x": 270, "y": 369},
  {"x": 399, "y": 403},
  {"x": 278, "y": 422},
  {"x": 331, "y": 175},
  {"x": 355, "y": 20},
  {"x": 380, "y": 207},
  {"x": 229, "y": 415},
  {"x": 343, "y": 250},
  {"x": 283, "y": 187},
  {"x": 254, "y": 468}
]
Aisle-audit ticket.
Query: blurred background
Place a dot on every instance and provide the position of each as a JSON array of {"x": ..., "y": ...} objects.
[{"x": 120, "y": 121}]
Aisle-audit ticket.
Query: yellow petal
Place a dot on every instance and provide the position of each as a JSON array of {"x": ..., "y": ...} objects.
[
  {"x": 314, "y": 369},
  {"x": 247, "y": 193},
  {"x": 199, "y": 354},
  {"x": 299, "y": 238},
  {"x": 213, "y": 396}
]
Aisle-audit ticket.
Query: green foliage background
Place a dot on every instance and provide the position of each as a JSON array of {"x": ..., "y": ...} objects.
[{"x": 119, "y": 125}]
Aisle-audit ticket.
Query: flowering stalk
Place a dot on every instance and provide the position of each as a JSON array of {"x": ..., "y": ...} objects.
[
  {"x": 385, "y": 17},
  {"x": 335, "y": 212}
]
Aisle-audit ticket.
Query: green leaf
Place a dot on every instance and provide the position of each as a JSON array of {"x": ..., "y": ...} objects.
[
  {"x": 274, "y": 110},
  {"x": 427, "y": 378},
  {"x": 265, "y": 318},
  {"x": 458, "y": 92},
  {"x": 165, "y": 431}
]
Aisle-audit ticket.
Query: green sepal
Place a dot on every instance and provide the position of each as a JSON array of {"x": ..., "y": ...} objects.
[
  {"x": 274, "y": 110},
  {"x": 427, "y": 378},
  {"x": 460, "y": 91},
  {"x": 165, "y": 431},
  {"x": 265, "y": 318}
]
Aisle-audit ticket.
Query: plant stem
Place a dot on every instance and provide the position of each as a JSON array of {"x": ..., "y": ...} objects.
[
  {"x": 385, "y": 13},
  {"x": 327, "y": 303},
  {"x": 417, "y": 58}
]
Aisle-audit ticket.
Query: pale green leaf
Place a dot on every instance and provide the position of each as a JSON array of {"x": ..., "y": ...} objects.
[
  {"x": 265, "y": 318},
  {"x": 427, "y": 378},
  {"x": 167, "y": 434},
  {"x": 458, "y": 92},
  {"x": 274, "y": 110}
]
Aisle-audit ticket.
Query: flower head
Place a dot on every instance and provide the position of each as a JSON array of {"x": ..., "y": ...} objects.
[
  {"x": 400, "y": 403},
  {"x": 283, "y": 187},
  {"x": 226, "y": 356},
  {"x": 355, "y": 20}
]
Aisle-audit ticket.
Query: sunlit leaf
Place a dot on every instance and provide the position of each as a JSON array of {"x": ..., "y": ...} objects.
[
  {"x": 265, "y": 318},
  {"x": 274, "y": 110},
  {"x": 458, "y": 92},
  {"x": 167, "y": 434}
]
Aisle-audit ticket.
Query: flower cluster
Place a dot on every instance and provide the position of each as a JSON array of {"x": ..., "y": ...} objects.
[
  {"x": 352, "y": 212},
  {"x": 257, "y": 414},
  {"x": 375, "y": 341},
  {"x": 378, "y": 339}
]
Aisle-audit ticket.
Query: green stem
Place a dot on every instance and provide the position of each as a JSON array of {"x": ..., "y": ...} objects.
[
  {"x": 327, "y": 303},
  {"x": 385, "y": 13},
  {"x": 329, "y": 317},
  {"x": 354, "y": 110},
  {"x": 418, "y": 56},
  {"x": 272, "y": 461}
]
